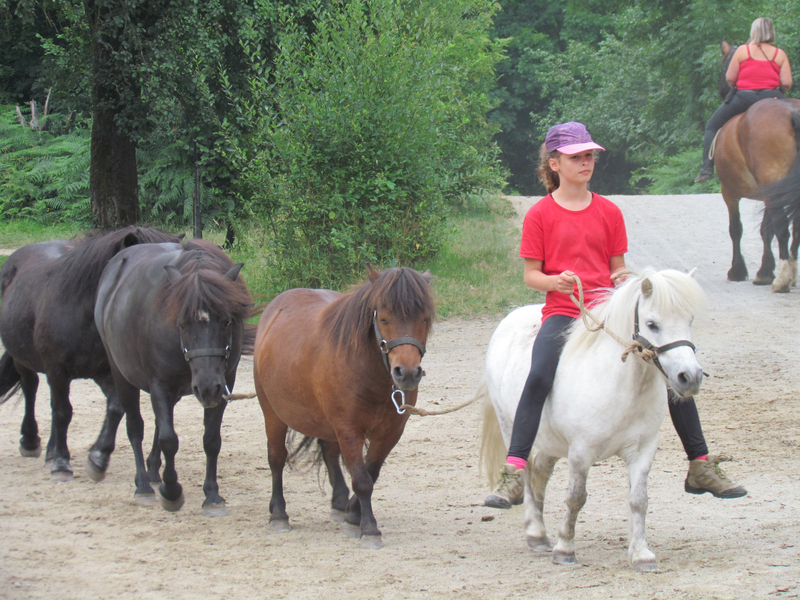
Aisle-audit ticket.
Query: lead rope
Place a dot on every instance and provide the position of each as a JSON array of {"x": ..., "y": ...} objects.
[{"x": 634, "y": 347}]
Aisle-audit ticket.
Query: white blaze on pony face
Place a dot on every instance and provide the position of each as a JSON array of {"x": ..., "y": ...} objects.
[{"x": 203, "y": 316}]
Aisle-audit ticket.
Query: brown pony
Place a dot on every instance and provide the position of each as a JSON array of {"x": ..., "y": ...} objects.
[
  {"x": 754, "y": 150},
  {"x": 323, "y": 367}
]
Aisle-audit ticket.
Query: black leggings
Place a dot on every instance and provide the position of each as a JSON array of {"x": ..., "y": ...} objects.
[{"x": 545, "y": 355}]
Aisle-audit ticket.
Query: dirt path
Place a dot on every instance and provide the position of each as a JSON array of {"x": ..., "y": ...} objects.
[{"x": 87, "y": 540}]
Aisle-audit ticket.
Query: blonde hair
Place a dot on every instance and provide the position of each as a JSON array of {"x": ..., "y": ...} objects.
[
  {"x": 547, "y": 176},
  {"x": 762, "y": 31}
]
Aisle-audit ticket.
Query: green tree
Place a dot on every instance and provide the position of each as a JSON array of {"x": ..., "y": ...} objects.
[{"x": 367, "y": 131}]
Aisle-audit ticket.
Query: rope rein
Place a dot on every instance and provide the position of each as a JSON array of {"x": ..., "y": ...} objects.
[{"x": 635, "y": 347}]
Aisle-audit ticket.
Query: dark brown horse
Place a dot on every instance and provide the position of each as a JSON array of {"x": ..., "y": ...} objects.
[
  {"x": 337, "y": 367},
  {"x": 47, "y": 326},
  {"x": 754, "y": 150},
  {"x": 172, "y": 320}
]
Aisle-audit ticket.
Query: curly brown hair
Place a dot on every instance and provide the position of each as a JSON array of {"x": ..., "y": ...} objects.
[{"x": 547, "y": 176}]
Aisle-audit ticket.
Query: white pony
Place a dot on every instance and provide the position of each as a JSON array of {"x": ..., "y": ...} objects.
[{"x": 600, "y": 405}]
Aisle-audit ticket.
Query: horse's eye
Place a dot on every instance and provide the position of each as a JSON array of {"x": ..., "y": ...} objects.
[{"x": 652, "y": 326}]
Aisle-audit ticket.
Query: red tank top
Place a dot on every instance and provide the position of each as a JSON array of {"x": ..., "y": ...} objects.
[{"x": 758, "y": 74}]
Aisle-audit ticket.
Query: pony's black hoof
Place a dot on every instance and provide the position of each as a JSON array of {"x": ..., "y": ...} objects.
[
  {"x": 153, "y": 477},
  {"x": 371, "y": 542},
  {"x": 337, "y": 516},
  {"x": 215, "y": 509},
  {"x": 171, "y": 505},
  {"x": 539, "y": 544},
  {"x": 279, "y": 525},
  {"x": 763, "y": 280},
  {"x": 645, "y": 566},
  {"x": 496, "y": 502},
  {"x": 30, "y": 453},
  {"x": 95, "y": 471},
  {"x": 350, "y": 530},
  {"x": 734, "y": 275},
  {"x": 560, "y": 558},
  {"x": 60, "y": 470},
  {"x": 145, "y": 499}
]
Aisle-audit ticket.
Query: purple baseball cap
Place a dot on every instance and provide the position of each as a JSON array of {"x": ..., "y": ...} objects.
[{"x": 569, "y": 138}]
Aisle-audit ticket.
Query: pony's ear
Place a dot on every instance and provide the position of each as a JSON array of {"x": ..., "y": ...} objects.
[
  {"x": 233, "y": 272},
  {"x": 725, "y": 47},
  {"x": 181, "y": 236},
  {"x": 372, "y": 273},
  {"x": 172, "y": 272},
  {"x": 130, "y": 240},
  {"x": 692, "y": 272},
  {"x": 647, "y": 287},
  {"x": 427, "y": 276}
]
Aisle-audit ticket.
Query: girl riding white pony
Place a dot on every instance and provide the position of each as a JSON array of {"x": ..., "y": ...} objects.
[{"x": 599, "y": 405}]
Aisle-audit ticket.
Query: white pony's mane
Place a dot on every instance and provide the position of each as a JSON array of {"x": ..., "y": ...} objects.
[{"x": 673, "y": 292}]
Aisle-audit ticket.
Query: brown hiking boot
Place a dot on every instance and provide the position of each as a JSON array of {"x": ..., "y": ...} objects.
[
  {"x": 707, "y": 476},
  {"x": 509, "y": 490}
]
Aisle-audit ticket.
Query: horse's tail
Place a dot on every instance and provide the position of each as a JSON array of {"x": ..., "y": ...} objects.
[
  {"x": 9, "y": 378},
  {"x": 785, "y": 193},
  {"x": 493, "y": 448}
]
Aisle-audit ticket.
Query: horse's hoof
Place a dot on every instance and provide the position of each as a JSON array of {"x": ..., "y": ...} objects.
[
  {"x": 30, "y": 453},
  {"x": 493, "y": 501},
  {"x": 215, "y": 509},
  {"x": 561, "y": 558},
  {"x": 761, "y": 280},
  {"x": 279, "y": 525},
  {"x": 371, "y": 542},
  {"x": 153, "y": 477},
  {"x": 350, "y": 530},
  {"x": 94, "y": 472},
  {"x": 60, "y": 470},
  {"x": 645, "y": 566},
  {"x": 539, "y": 544},
  {"x": 337, "y": 516},
  {"x": 148, "y": 499},
  {"x": 60, "y": 475},
  {"x": 171, "y": 505},
  {"x": 782, "y": 290}
]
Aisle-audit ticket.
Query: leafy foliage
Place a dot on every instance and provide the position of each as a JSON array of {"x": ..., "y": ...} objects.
[
  {"x": 43, "y": 176},
  {"x": 370, "y": 129}
]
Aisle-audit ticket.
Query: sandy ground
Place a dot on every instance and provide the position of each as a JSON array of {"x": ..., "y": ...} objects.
[{"x": 87, "y": 540}]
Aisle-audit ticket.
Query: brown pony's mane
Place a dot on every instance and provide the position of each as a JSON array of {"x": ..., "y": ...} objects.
[
  {"x": 83, "y": 264},
  {"x": 202, "y": 285},
  {"x": 402, "y": 291}
]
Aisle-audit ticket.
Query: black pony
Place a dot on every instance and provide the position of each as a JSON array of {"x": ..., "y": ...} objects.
[
  {"x": 47, "y": 326},
  {"x": 172, "y": 319}
]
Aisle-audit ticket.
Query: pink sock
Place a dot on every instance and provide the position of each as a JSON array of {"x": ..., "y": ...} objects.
[
  {"x": 704, "y": 457},
  {"x": 520, "y": 463}
]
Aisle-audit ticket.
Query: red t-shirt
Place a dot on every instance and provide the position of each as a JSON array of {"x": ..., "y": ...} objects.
[{"x": 580, "y": 241}]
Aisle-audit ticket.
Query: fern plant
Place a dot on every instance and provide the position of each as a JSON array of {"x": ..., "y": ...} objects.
[{"x": 43, "y": 176}]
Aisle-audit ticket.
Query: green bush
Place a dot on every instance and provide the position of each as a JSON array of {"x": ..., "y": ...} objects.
[{"x": 368, "y": 132}]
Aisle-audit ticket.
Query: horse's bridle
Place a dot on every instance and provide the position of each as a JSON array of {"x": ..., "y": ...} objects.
[
  {"x": 385, "y": 347},
  {"x": 655, "y": 350},
  {"x": 190, "y": 354}
]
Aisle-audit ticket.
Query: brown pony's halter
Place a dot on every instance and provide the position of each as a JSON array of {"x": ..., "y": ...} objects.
[{"x": 385, "y": 347}]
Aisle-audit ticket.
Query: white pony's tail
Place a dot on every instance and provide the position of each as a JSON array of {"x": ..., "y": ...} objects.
[{"x": 493, "y": 448}]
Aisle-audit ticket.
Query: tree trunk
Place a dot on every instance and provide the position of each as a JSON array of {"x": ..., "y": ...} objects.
[{"x": 113, "y": 179}]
